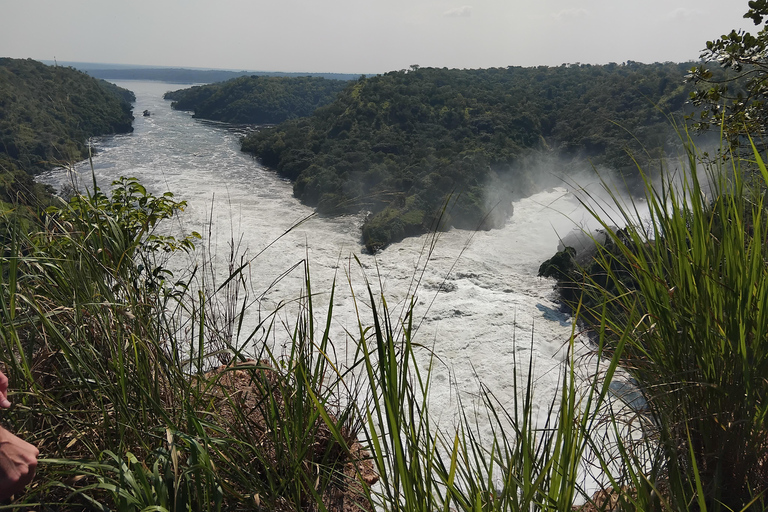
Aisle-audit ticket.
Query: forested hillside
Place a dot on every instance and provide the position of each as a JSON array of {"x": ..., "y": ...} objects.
[
  {"x": 48, "y": 113},
  {"x": 402, "y": 143},
  {"x": 257, "y": 99},
  {"x": 192, "y": 76}
]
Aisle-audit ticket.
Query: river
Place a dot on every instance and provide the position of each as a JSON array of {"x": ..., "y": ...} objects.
[{"x": 477, "y": 293}]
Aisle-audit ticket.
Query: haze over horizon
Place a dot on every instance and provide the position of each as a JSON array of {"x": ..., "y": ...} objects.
[{"x": 369, "y": 36}]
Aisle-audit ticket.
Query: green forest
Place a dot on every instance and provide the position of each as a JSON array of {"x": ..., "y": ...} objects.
[
  {"x": 257, "y": 99},
  {"x": 192, "y": 76},
  {"x": 141, "y": 390},
  {"x": 420, "y": 148},
  {"x": 48, "y": 114}
]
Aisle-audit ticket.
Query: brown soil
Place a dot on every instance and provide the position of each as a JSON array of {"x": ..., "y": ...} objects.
[
  {"x": 247, "y": 386},
  {"x": 607, "y": 501}
]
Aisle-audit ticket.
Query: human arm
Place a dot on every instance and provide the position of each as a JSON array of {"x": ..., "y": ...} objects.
[
  {"x": 18, "y": 460},
  {"x": 4, "y": 402}
]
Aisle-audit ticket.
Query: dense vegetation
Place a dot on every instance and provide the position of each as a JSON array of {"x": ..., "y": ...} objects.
[
  {"x": 402, "y": 143},
  {"x": 257, "y": 99},
  {"x": 679, "y": 298},
  {"x": 50, "y": 112},
  {"x": 737, "y": 101},
  {"x": 46, "y": 116},
  {"x": 110, "y": 354},
  {"x": 195, "y": 76},
  {"x": 109, "y": 358}
]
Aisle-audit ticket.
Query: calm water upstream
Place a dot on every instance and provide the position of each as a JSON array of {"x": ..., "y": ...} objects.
[{"x": 477, "y": 292}]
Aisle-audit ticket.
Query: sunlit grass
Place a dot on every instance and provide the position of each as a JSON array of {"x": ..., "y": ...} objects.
[{"x": 115, "y": 368}]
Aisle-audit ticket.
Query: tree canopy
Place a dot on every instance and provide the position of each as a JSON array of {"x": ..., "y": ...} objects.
[
  {"x": 737, "y": 96},
  {"x": 46, "y": 116},
  {"x": 257, "y": 99},
  {"x": 49, "y": 113},
  {"x": 401, "y": 144},
  {"x": 193, "y": 76}
]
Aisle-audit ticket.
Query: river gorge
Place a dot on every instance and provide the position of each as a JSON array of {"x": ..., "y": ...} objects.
[{"x": 479, "y": 302}]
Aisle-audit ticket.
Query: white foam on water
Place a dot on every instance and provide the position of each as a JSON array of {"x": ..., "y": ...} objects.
[{"x": 479, "y": 302}]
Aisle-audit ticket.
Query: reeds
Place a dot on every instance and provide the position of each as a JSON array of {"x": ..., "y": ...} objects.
[
  {"x": 115, "y": 371},
  {"x": 111, "y": 360},
  {"x": 689, "y": 282}
]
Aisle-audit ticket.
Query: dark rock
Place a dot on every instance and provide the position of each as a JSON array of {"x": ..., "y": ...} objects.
[{"x": 559, "y": 266}]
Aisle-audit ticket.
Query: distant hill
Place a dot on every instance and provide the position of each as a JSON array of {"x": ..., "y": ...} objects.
[
  {"x": 195, "y": 76},
  {"x": 47, "y": 114},
  {"x": 257, "y": 99},
  {"x": 401, "y": 144}
]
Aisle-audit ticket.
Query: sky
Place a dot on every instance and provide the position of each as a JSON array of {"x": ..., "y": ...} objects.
[{"x": 363, "y": 36}]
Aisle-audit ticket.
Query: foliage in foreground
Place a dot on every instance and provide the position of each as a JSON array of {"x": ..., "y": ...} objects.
[
  {"x": 112, "y": 366},
  {"x": 689, "y": 280},
  {"x": 700, "y": 343},
  {"x": 112, "y": 362}
]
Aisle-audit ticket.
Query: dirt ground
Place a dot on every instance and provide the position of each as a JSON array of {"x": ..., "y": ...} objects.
[{"x": 346, "y": 493}]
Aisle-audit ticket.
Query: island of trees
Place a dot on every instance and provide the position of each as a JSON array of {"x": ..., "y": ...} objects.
[
  {"x": 257, "y": 99},
  {"x": 430, "y": 148}
]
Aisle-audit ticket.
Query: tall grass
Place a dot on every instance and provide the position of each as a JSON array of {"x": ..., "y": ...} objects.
[
  {"x": 690, "y": 283},
  {"x": 115, "y": 370},
  {"x": 110, "y": 361},
  {"x": 524, "y": 466}
]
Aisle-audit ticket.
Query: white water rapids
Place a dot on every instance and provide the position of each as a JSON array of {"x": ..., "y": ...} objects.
[{"x": 478, "y": 292}]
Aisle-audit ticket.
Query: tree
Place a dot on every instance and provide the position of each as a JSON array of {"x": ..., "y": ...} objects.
[{"x": 737, "y": 96}]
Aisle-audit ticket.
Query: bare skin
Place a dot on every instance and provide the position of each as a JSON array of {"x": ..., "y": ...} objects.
[
  {"x": 4, "y": 402},
  {"x": 18, "y": 458}
]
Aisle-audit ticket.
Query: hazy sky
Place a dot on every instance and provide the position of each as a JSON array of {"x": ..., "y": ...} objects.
[{"x": 363, "y": 36}]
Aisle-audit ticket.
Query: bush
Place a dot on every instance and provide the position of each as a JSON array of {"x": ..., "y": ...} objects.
[
  {"x": 690, "y": 284},
  {"x": 116, "y": 360}
]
